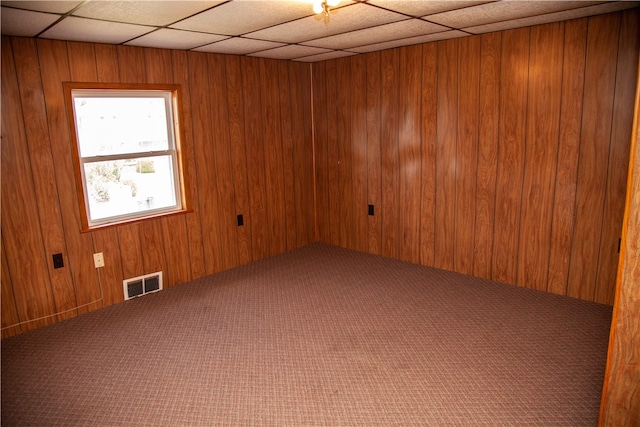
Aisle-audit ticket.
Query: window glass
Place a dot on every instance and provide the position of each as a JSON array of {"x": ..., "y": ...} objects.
[
  {"x": 117, "y": 125},
  {"x": 120, "y": 187}
]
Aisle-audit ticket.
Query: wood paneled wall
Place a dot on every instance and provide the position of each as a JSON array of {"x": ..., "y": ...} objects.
[
  {"x": 247, "y": 134},
  {"x": 502, "y": 155},
  {"x": 620, "y": 403}
]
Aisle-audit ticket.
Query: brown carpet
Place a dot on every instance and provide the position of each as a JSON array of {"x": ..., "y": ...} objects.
[{"x": 317, "y": 336}]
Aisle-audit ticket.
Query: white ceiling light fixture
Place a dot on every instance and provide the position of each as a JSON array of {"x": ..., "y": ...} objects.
[{"x": 324, "y": 7}]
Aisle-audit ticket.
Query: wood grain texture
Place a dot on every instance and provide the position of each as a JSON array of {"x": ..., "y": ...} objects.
[
  {"x": 173, "y": 228},
  {"x": 446, "y": 149},
  {"x": 488, "y": 139},
  {"x": 409, "y": 152},
  {"x": 359, "y": 148},
  {"x": 628, "y": 48},
  {"x": 152, "y": 246},
  {"x": 53, "y": 57},
  {"x": 217, "y": 153},
  {"x": 196, "y": 264},
  {"x": 158, "y": 66},
  {"x": 540, "y": 153},
  {"x": 333, "y": 186},
  {"x": 108, "y": 69},
  {"x": 428, "y": 154},
  {"x": 41, "y": 158},
  {"x": 21, "y": 230},
  {"x": 506, "y": 168},
  {"x": 302, "y": 152},
  {"x": 238, "y": 154},
  {"x": 620, "y": 404},
  {"x": 467, "y": 152},
  {"x": 274, "y": 161},
  {"x": 374, "y": 196},
  {"x": 345, "y": 151},
  {"x": 513, "y": 103},
  {"x": 82, "y": 62},
  {"x": 321, "y": 141},
  {"x": 111, "y": 275},
  {"x": 205, "y": 157},
  {"x": 389, "y": 80},
  {"x": 595, "y": 135},
  {"x": 82, "y": 67},
  {"x": 256, "y": 217},
  {"x": 575, "y": 37},
  {"x": 131, "y": 64},
  {"x": 129, "y": 241},
  {"x": 287, "y": 152},
  {"x": 10, "y": 319},
  {"x": 221, "y": 148}
]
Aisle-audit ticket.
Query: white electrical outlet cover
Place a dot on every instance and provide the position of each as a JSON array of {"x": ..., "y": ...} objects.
[{"x": 98, "y": 260}]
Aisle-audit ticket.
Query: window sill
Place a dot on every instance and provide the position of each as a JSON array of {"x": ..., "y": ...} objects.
[{"x": 134, "y": 220}]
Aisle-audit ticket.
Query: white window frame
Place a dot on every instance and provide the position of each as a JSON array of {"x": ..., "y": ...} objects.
[{"x": 170, "y": 95}]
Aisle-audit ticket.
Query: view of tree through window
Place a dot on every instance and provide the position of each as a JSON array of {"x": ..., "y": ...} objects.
[{"x": 127, "y": 153}]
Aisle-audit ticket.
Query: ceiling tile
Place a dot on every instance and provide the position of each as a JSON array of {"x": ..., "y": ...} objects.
[
  {"x": 91, "y": 30},
  {"x": 409, "y": 41},
  {"x": 379, "y": 34},
  {"x": 25, "y": 23},
  {"x": 60, "y": 7},
  {"x": 175, "y": 39},
  {"x": 143, "y": 12},
  {"x": 502, "y": 11},
  {"x": 419, "y": 8},
  {"x": 554, "y": 17},
  {"x": 285, "y": 29},
  {"x": 325, "y": 56},
  {"x": 238, "y": 46},
  {"x": 341, "y": 20},
  {"x": 290, "y": 52},
  {"x": 253, "y": 15}
]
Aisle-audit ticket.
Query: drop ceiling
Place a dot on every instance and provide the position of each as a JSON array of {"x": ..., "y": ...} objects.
[{"x": 284, "y": 29}]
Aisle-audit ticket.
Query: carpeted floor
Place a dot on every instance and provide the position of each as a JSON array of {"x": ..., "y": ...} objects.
[{"x": 318, "y": 336}]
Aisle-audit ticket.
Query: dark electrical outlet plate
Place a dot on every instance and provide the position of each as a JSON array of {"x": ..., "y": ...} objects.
[
  {"x": 57, "y": 261},
  {"x": 240, "y": 220},
  {"x": 370, "y": 210}
]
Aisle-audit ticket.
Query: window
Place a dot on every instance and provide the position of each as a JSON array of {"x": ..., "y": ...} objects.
[{"x": 128, "y": 161}]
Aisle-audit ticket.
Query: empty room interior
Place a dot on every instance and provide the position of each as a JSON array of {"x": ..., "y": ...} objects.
[{"x": 371, "y": 205}]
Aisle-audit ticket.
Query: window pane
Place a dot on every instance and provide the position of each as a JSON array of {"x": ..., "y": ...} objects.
[
  {"x": 111, "y": 126},
  {"x": 122, "y": 187}
]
